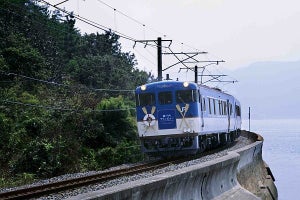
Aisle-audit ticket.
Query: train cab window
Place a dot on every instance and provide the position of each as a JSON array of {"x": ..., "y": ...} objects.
[
  {"x": 145, "y": 99},
  {"x": 186, "y": 96},
  {"x": 165, "y": 98}
]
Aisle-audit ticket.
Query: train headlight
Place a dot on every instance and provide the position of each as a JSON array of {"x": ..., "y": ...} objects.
[
  {"x": 143, "y": 87},
  {"x": 185, "y": 84}
]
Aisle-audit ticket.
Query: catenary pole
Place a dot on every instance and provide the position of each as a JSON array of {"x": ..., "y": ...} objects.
[{"x": 159, "y": 59}]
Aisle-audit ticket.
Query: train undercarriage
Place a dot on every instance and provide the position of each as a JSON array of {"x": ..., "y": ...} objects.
[{"x": 185, "y": 144}]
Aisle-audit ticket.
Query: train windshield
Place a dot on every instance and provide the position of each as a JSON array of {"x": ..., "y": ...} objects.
[
  {"x": 186, "y": 96},
  {"x": 165, "y": 98},
  {"x": 145, "y": 99}
]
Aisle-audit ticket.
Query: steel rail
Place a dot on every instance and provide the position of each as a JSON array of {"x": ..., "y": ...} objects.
[
  {"x": 54, "y": 187},
  {"x": 40, "y": 190}
]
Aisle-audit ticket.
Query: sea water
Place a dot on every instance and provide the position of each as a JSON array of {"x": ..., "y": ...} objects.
[{"x": 281, "y": 151}]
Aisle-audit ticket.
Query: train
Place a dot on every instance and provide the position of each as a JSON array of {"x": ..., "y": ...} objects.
[{"x": 176, "y": 118}]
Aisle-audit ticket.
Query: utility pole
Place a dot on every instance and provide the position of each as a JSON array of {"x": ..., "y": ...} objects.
[
  {"x": 159, "y": 59},
  {"x": 249, "y": 116},
  {"x": 196, "y": 74},
  {"x": 158, "y": 43}
]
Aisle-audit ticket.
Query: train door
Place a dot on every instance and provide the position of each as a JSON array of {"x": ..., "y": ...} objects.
[
  {"x": 235, "y": 116},
  {"x": 202, "y": 107}
]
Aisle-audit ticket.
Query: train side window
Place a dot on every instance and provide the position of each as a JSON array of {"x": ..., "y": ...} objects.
[
  {"x": 165, "y": 98},
  {"x": 204, "y": 104},
  {"x": 225, "y": 108},
  {"x": 214, "y": 102},
  {"x": 145, "y": 99},
  {"x": 209, "y": 105},
  {"x": 186, "y": 96},
  {"x": 220, "y": 107},
  {"x": 238, "y": 110}
]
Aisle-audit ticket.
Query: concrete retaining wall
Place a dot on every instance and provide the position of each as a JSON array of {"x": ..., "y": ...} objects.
[
  {"x": 253, "y": 173},
  {"x": 219, "y": 179}
]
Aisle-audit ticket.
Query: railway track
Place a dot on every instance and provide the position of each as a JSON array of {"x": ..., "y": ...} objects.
[
  {"x": 50, "y": 188},
  {"x": 37, "y": 191}
]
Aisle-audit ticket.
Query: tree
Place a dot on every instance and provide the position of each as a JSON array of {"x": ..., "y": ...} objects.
[{"x": 53, "y": 120}]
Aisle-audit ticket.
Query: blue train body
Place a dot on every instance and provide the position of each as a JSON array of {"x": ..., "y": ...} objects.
[{"x": 180, "y": 118}]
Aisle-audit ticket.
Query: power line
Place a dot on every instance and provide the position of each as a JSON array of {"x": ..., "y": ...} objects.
[
  {"x": 129, "y": 17},
  {"x": 90, "y": 22},
  {"x": 53, "y": 28},
  {"x": 63, "y": 85},
  {"x": 104, "y": 28},
  {"x": 62, "y": 109},
  {"x": 121, "y": 13},
  {"x": 61, "y": 2},
  {"x": 140, "y": 23}
]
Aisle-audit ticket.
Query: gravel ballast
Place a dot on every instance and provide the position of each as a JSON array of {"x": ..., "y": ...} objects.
[{"x": 241, "y": 142}]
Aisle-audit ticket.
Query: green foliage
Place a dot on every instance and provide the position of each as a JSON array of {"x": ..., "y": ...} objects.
[
  {"x": 19, "y": 179},
  {"x": 118, "y": 123},
  {"x": 3, "y": 65},
  {"x": 50, "y": 129},
  {"x": 125, "y": 152}
]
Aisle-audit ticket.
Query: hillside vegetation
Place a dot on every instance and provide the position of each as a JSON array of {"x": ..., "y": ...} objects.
[{"x": 66, "y": 100}]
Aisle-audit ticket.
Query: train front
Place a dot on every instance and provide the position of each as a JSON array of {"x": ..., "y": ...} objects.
[{"x": 168, "y": 118}]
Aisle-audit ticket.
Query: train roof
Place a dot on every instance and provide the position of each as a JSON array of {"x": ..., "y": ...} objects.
[
  {"x": 179, "y": 84},
  {"x": 217, "y": 90},
  {"x": 167, "y": 84}
]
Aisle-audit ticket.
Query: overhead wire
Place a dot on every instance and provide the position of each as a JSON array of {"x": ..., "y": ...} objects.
[
  {"x": 48, "y": 82},
  {"x": 104, "y": 28},
  {"x": 98, "y": 25},
  {"x": 63, "y": 109},
  {"x": 63, "y": 85},
  {"x": 89, "y": 22},
  {"x": 129, "y": 17},
  {"x": 60, "y": 108},
  {"x": 62, "y": 2},
  {"x": 54, "y": 83},
  {"x": 53, "y": 27},
  {"x": 17, "y": 14}
]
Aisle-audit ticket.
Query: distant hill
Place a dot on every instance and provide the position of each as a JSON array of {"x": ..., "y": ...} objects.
[{"x": 271, "y": 89}]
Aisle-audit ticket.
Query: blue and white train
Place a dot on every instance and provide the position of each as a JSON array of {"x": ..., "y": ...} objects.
[{"x": 181, "y": 118}]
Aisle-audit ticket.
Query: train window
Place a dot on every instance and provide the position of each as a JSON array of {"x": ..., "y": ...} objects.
[
  {"x": 214, "y": 102},
  {"x": 204, "y": 104},
  {"x": 165, "y": 98},
  {"x": 145, "y": 99},
  {"x": 238, "y": 110},
  {"x": 225, "y": 107},
  {"x": 220, "y": 107},
  {"x": 186, "y": 96},
  {"x": 209, "y": 105}
]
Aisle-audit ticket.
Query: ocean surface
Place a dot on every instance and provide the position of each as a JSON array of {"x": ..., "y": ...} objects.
[{"x": 281, "y": 151}]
